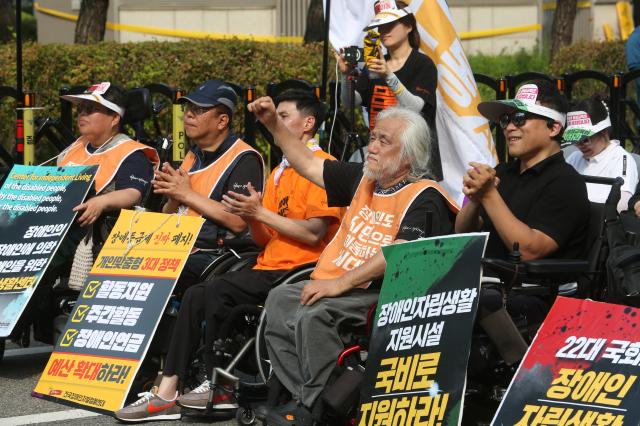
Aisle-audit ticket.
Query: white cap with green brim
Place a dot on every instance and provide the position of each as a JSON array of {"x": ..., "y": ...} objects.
[
  {"x": 525, "y": 100},
  {"x": 386, "y": 12},
  {"x": 579, "y": 127}
]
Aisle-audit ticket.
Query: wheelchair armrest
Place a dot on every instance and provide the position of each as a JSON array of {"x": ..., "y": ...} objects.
[
  {"x": 241, "y": 244},
  {"x": 541, "y": 270},
  {"x": 503, "y": 267},
  {"x": 559, "y": 269}
]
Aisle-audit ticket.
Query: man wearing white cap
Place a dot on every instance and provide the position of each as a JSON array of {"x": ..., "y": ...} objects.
[
  {"x": 537, "y": 200},
  {"x": 588, "y": 126}
]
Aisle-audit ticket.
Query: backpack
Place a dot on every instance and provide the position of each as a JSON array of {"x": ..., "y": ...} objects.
[{"x": 623, "y": 266}]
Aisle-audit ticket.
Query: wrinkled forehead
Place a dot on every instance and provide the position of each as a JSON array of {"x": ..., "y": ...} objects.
[{"x": 388, "y": 128}]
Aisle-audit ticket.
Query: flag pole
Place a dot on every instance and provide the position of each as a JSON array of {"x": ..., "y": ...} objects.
[
  {"x": 19, "y": 147},
  {"x": 325, "y": 51}
]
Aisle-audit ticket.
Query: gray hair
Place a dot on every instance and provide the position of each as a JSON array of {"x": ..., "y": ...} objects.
[{"x": 416, "y": 140}]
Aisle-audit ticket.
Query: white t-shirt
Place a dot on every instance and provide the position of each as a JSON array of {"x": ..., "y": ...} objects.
[{"x": 613, "y": 161}]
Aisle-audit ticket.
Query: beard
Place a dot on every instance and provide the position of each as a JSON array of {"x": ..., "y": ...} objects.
[{"x": 387, "y": 170}]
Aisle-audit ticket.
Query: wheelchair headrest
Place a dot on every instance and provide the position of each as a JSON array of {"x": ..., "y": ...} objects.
[
  {"x": 138, "y": 107},
  {"x": 274, "y": 89}
]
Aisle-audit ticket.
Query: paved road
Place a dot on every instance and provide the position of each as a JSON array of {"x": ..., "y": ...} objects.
[{"x": 19, "y": 373}]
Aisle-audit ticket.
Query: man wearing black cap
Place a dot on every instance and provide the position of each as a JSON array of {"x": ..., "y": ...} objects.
[
  {"x": 537, "y": 200},
  {"x": 217, "y": 162}
]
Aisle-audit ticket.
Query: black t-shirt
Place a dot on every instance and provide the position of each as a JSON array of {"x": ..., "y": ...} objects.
[
  {"x": 248, "y": 168},
  {"x": 419, "y": 75},
  {"x": 136, "y": 172},
  {"x": 341, "y": 181},
  {"x": 550, "y": 197}
]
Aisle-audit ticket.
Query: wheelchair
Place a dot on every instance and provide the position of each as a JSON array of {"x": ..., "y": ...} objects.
[
  {"x": 489, "y": 373},
  {"x": 138, "y": 110},
  {"x": 338, "y": 403},
  {"x": 232, "y": 255},
  {"x": 494, "y": 359},
  {"x": 246, "y": 363}
]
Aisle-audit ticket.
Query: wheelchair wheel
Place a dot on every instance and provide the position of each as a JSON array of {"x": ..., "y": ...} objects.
[
  {"x": 246, "y": 417},
  {"x": 229, "y": 262},
  {"x": 262, "y": 357}
]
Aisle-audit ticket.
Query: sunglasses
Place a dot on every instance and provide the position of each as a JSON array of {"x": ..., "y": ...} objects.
[
  {"x": 90, "y": 108},
  {"x": 196, "y": 110},
  {"x": 518, "y": 118}
]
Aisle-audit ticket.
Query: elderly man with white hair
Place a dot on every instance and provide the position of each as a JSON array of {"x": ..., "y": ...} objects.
[{"x": 388, "y": 201}]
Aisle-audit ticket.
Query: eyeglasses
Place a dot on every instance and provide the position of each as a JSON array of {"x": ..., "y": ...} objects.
[
  {"x": 518, "y": 118},
  {"x": 196, "y": 110},
  {"x": 91, "y": 107}
]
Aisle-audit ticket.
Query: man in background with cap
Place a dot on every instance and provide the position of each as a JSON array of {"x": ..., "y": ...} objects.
[
  {"x": 537, "y": 200},
  {"x": 217, "y": 162}
]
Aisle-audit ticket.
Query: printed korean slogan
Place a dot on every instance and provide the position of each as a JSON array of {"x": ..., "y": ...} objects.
[
  {"x": 420, "y": 345},
  {"x": 118, "y": 310},
  {"x": 36, "y": 210},
  {"x": 582, "y": 368}
]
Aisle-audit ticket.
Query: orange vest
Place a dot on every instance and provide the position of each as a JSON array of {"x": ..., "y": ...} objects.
[
  {"x": 108, "y": 161},
  {"x": 372, "y": 220},
  {"x": 206, "y": 180}
]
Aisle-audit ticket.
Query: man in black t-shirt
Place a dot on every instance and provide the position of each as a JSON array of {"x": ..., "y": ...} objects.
[
  {"x": 537, "y": 201},
  {"x": 217, "y": 162},
  {"x": 388, "y": 201}
]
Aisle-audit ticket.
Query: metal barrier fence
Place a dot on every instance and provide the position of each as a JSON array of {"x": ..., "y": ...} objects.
[
  {"x": 623, "y": 108},
  {"x": 149, "y": 102}
]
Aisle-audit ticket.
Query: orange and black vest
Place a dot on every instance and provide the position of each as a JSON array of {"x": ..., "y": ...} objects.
[
  {"x": 109, "y": 160},
  {"x": 209, "y": 181},
  {"x": 372, "y": 220},
  {"x": 382, "y": 97}
]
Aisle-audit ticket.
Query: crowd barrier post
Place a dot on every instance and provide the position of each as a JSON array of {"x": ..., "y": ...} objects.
[
  {"x": 29, "y": 104},
  {"x": 616, "y": 109},
  {"x": 179, "y": 150},
  {"x": 560, "y": 84},
  {"x": 249, "y": 95}
]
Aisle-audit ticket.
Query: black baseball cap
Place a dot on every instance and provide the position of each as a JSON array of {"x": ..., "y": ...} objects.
[{"x": 213, "y": 93}]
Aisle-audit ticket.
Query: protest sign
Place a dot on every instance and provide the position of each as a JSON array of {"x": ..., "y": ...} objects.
[
  {"x": 36, "y": 211},
  {"x": 419, "y": 349},
  {"x": 116, "y": 315},
  {"x": 581, "y": 368}
]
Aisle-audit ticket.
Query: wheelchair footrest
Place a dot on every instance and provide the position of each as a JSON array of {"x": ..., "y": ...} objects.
[{"x": 343, "y": 394}]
